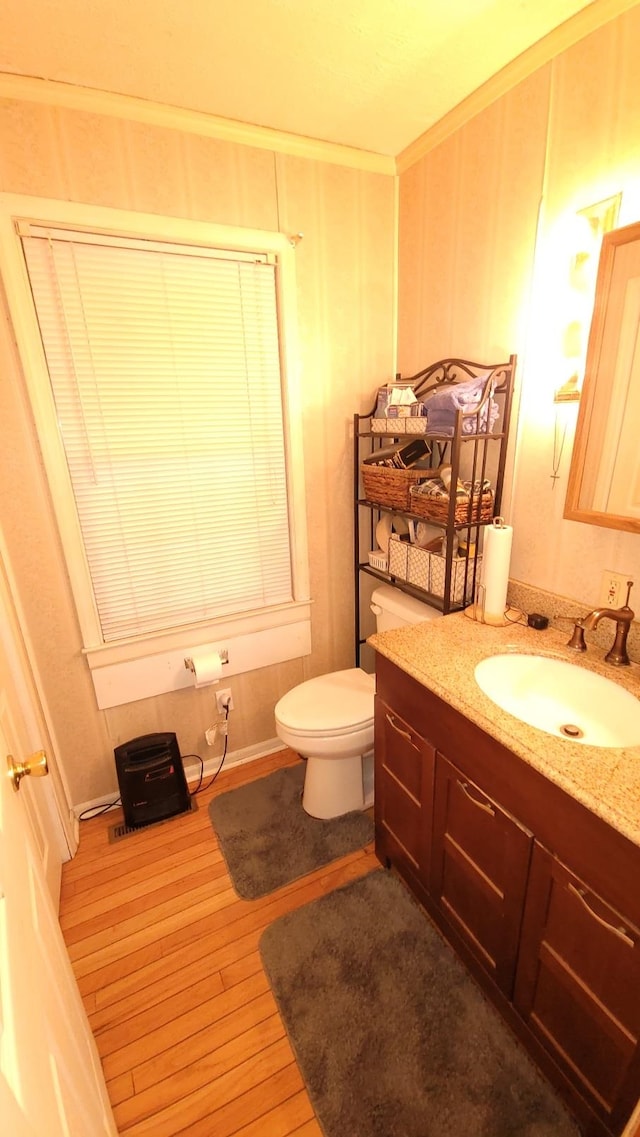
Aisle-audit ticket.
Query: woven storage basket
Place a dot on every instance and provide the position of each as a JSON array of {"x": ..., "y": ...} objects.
[
  {"x": 388, "y": 486},
  {"x": 437, "y": 576},
  {"x": 418, "y": 561},
  {"x": 418, "y": 424},
  {"x": 398, "y": 557},
  {"x": 437, "y": 508},
  {"x": 411, "y": 424}
]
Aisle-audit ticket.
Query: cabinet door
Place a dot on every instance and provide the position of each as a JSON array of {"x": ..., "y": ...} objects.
[
  {"x": 403, "y": 794},
  {"x": 578, "y": 986},
  {"x": 480, "y": 861}
]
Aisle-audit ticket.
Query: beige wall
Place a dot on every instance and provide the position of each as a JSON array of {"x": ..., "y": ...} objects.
[
  {"x": 475, "y": 280},
  {"x": 345, "y": 277}
]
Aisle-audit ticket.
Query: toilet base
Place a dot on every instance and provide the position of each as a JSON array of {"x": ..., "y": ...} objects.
[{"x": 333, "y": 787}]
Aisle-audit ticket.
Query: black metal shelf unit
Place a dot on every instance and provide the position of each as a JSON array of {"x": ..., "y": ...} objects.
[{"x": 476, "y": 452}]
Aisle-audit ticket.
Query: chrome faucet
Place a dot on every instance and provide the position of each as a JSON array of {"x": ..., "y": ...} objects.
[{"x": 622, "y": 618}]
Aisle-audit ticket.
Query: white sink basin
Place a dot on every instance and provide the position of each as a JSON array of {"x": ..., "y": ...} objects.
[{"x": 562, "y": 699}]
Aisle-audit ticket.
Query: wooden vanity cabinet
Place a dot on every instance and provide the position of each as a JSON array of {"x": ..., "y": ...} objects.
[
  {"x": 538, "y": 895},
  {"x": 578, "y": 985}
]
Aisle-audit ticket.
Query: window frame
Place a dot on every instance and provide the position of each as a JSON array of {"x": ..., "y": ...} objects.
[{"x": 17, "y": 209}]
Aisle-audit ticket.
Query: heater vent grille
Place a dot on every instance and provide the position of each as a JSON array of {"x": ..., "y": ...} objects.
[{"x": 117, "y": 832}]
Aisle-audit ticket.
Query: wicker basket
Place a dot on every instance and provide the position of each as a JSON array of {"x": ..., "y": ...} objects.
[
  {"x": 418, "y": 567},
  {"x": 388, "y": 486},
  {"x": 437, "y": 565},
  {"x": 427, "y": 570},
  {"x": 411, "y": 424},
  {"x": 398, "y": 557},
  {"x": 437, "y": 508}
]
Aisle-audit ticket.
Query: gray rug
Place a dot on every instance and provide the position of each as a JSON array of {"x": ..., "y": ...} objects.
[
  {"x": 392, "y": 1037},
  {"x": 268, "y": 840}
]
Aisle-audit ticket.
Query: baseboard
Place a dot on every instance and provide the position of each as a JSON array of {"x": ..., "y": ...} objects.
[
  {"x": 233, "y": 758},
  {"x": 192, "y": 771}
]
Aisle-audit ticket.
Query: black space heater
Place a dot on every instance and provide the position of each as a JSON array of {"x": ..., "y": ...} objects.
[{"x": 151, "y": 778}]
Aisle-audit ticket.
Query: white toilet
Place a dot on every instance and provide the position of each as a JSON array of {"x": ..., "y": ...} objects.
[{"x": 329, "y": 720}]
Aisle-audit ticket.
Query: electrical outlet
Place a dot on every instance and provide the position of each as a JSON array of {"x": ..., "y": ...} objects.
[
  {"x": 224, "y": 700},
  {"x": 613, "y": 588}
]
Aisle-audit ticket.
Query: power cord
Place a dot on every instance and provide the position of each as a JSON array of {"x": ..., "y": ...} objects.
[
  {"x": 200, "y": 787},
  {"x": 98, "y": 810},
  {"x": 520, "y": 618},
  {"x": 184, "y": 758}
]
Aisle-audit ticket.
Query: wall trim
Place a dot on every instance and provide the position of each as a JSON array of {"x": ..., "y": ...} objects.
[
  {"x": 126, "y": 681},
  {"x": 562, "y": 38},
  {"x": 30, "y": 89}
]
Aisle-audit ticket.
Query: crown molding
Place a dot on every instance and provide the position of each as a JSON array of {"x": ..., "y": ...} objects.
[
  {"x": 26, "y": 88},
  {"x": 562, "y": 38},
  {"x": 50, "y": 92}
]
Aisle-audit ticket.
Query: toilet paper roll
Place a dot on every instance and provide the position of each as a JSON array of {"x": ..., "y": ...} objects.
[
  {"x": 206, "y": 667},
  {"x": 496, "y": 559}
]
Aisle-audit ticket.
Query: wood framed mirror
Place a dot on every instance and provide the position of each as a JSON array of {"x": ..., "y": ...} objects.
[{"x": 604, "y": 476}]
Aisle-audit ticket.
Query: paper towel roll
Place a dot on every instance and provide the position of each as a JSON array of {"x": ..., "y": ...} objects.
[
  {"x": 496, "y": 558},
  {"x": 206, "y": 667}
]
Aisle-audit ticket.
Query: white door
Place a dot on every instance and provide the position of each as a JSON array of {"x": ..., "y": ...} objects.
[
  {"x": 54, "y": 828},
  {"x": 51, "y": 1081}
]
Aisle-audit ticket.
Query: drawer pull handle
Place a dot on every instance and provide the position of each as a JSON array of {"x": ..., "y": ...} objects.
[
  {"x": 488, "y": 808},
  {"x": 621, "y": 932},
  {"x": 403, "y": 733}
]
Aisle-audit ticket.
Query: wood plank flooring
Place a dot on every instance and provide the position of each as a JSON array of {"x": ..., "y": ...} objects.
[{"x": 166, "y": 957}]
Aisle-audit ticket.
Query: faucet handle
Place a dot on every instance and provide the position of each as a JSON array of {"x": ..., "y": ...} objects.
[
  {"x": 625, "y": 613},
  {"x": 577, "y": 637}
]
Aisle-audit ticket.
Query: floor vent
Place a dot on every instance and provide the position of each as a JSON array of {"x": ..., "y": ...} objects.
[{"x": 118, "y": 832}]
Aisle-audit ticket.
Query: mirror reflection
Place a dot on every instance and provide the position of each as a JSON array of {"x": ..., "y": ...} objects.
[{"x": 604, "y": 478}]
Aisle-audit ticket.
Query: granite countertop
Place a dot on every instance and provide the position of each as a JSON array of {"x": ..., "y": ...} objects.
[{"x": 442, "y": 655}]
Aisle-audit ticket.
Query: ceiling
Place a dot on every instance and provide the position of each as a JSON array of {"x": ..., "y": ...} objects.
[{"x": 370, "y": 74}]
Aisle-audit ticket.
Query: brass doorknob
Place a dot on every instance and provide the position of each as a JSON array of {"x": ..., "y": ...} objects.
[{"x": 35, "y": 765}]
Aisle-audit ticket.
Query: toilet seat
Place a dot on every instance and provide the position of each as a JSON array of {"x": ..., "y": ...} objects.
[{"x": 333, "y": 704}]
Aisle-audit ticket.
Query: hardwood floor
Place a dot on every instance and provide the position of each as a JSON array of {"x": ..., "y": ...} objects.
[{"x": 166, "y": 957}]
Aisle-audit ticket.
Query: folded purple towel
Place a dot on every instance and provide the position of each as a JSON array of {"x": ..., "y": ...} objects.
[{"x": 443, "y": 404}]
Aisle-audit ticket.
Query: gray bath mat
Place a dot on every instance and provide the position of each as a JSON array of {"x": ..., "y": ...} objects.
[
  {"x": 268, "y": 840},
  {"x": 391, "y": 1035}
]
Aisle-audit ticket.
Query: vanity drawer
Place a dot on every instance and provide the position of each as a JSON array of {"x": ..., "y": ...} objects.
[
  {"x": 404, "y": 767},
  {"x": 479, "y": 865}
]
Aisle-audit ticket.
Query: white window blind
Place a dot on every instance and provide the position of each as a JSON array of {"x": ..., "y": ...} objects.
[{"x": 165, "y": 369}]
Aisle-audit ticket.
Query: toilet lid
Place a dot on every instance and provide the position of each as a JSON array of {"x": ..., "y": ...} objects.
[{"x": 331, "y": 703}]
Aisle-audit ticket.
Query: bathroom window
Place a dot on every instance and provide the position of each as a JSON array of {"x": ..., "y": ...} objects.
[{"x": 167, "y": 369}]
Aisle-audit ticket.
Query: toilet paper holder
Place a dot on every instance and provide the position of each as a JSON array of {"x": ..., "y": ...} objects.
[{"x": 189, "y": 664}]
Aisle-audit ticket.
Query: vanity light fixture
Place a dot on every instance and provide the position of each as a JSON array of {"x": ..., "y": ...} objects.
[
  {"x": 569, "y": 392},
  {"x": 560, "y": 432},
  {"x": 591, "y": 224},
  {"x": 573, "y": 349}
]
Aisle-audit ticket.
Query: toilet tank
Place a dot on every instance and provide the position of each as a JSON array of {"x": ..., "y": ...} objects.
[{"x": 393, "y": 608}]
